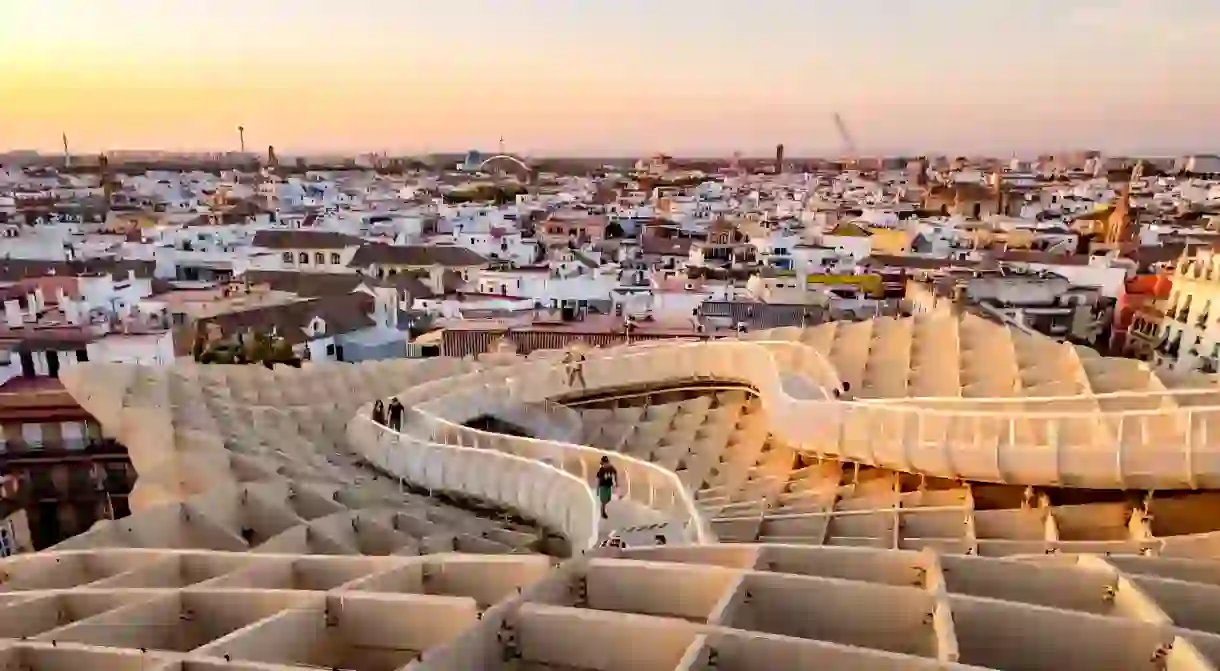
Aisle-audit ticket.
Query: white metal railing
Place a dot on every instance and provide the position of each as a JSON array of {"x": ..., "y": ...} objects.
[
  {"x": 1169, "y": 446},
  {"x": 641, "y": 482},
  {"x": 1171, "y": 394},
  {"x": 553, "y": 497},
  {"x": 485, "y": 392}
]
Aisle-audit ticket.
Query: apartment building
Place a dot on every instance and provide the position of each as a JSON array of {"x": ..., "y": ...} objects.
[
  {"x": 309, "y": 250},
  {"x": 1185, "y": 328}
]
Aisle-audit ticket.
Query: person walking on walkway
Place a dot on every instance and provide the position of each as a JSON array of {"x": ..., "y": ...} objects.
[
  {"x": 574, "y": 359},
  {"x": 844, "y": 393},
  {"x": 607, "y": 480},
  {"x": 379, "y": 412},
  {"x": 396, "y": 411}
]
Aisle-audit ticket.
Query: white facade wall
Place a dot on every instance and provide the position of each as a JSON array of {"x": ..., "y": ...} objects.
[{"x": 150, "y": 349}]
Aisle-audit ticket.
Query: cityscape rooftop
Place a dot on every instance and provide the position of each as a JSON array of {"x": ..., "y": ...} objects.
[{"x": 556, "y": 404}]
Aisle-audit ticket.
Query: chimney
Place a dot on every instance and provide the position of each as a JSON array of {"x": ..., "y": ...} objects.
[
  {"x": 31, "y": 303},
  {"x": 71, "y": 310},
  {"x": 436, "y": 278},
  {"x": 12, "y": 314},
  {"x": 386, "y": 306}
]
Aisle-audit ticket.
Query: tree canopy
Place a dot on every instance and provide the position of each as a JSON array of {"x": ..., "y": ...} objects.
[
  {"x": 503, "y": 194},
  {"x": 257, "y": 348}
]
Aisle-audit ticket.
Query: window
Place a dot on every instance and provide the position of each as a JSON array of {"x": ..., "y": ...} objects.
[
  {"x": 319, "y": 258},
  {"x": 287, "y": 257},
  {"x": 303, "y": 257},
  {"x": 117, "y": 478},
  {"x": 27, "y": 364},
  {"x": 334, "y": 258}
]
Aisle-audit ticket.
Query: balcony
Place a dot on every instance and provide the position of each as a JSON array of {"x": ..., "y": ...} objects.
[
  {"x": 83, "y": 487},
  {"x": 14, "y": 455},
  {"x": 38, "y": 399}
]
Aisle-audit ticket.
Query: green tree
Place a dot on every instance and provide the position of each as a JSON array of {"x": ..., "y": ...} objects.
[{"x": 257, "y": 348}]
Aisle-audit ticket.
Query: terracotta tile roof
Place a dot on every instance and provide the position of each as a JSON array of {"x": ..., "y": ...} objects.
[
  {"x": 306, "y": 284},
  {"x": 414, "y": 283},
  {"x": 59, "y": 339},
  {"x": 313, "y": 285},
  {"x": 666, "y": 246},
  {"x": 13, "y": 270},
  {"x": 914, "y": 262},
  {"x": 342, "y": 313},
  {"x": 1023, "y": 256},
  {"x": 304, "y": 239},
  {"x": 414, "y": 255}
]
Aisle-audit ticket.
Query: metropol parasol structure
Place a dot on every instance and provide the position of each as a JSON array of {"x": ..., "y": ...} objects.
[{"x": 930, "y": 492}]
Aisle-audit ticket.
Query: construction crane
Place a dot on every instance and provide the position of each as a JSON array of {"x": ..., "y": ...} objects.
[{"x": 845, "y": 135}]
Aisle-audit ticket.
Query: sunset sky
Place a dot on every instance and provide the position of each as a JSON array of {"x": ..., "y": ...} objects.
[{"x": 611, "y": 77}]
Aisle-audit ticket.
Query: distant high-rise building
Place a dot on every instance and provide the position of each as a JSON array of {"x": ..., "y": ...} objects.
[{"x": 779, "y": 158}]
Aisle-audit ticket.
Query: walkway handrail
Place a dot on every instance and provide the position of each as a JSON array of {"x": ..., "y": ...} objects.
[
  {"x": 558, "y": 499},
  {"x": 646, "y": 483},
  {"x": 1166, "y": 447},
  {"x": 1163, "y": 447},
  {"x": 639, "y": 479},
  {"x": 1099, "y": 396}
]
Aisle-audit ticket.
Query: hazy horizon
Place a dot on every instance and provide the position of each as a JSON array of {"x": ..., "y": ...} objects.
[{"x": 612, "y": 77}]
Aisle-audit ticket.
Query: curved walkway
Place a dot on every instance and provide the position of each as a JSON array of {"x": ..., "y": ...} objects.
[{"x": 797, "y": 386}]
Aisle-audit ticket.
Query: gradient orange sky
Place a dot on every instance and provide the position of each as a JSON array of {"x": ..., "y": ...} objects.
[{"x": 610, "y": 77}]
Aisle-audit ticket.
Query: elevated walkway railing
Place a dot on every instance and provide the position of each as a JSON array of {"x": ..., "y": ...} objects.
[
  {"x": 552, "y": 496},
  {"x": 1169, "y": 446},
  {"x": 640, "y": 482},
  {"x": 440, "y": 408}
]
